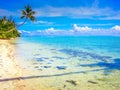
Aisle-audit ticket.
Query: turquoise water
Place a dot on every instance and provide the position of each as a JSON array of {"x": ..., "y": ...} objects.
[
  {"x": 70, "y": 53},
  {"x": 71, "y": 62},
  {"x": 93, "y": 42}
]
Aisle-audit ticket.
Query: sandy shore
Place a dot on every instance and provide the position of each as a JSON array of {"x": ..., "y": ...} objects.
[
  {"x": 12, "y": 76},
  {"x": 15, "y": 77}
]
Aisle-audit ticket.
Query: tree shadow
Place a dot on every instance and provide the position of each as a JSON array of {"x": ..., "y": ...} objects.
[
  {"x": 44, "y": 76},
  {"x": 107, "y": 66},
  {"x": 82, "y": 54}
]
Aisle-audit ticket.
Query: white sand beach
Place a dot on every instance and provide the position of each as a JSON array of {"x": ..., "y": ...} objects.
[
  {"x": 11, "y": 73},
  {"x": 15, "y": 77}
]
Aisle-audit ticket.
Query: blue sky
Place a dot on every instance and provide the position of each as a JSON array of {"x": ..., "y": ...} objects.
[{"x": 67, "y": 16}]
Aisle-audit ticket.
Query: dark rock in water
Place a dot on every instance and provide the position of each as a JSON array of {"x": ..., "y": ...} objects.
[
  {"x": 39, "y": 59},
  {"x": 52, "y": 49},
  {"x": 49, "y": 63},
  {"x": 72, "y": 82},
  {"x": 37, "y": 55},
  {"x": 51, "y": 60},
  {"x": 54, "y": 52},
  {"x": 92, "y": 82},
  {"x": 107, "y": 57},
  {"x": 35, "y": 63},
  {"x": 40, "y": 49},
  {"x": 107, "y": 72},
  {"x": 75, "y": 53},
  {"x": 64, "y": 86},
  {"x": 57, "y": 57},
  {"x": 47, "y": 66},
  {"x": 61, "y": 67},
  {"x": 36, "y": 67},
  {"x": 45, "y": 57},
  {"x": 40, "y": 63},
  {"x": 39, "y": 69}
]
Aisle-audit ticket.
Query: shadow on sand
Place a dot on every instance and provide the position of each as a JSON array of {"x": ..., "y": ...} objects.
[{"x": 43, "y": 76}]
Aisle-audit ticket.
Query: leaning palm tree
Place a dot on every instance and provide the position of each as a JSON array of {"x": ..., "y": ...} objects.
[
  {"x": 28, "y": 13},
  {"x": 8, "y": 26}
]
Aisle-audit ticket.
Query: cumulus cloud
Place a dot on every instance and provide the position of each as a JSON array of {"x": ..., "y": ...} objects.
[
  {"x": 47, "y": 30},
  {"x": 77, "y": 28},
  {"x": 116, "y": 27},
  {"x": 114, "y": 31},
  {"x": 50, "y": 29}
]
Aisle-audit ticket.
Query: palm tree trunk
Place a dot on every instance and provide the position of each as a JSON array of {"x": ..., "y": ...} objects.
[
  {"x": 10, "y": 30},
  {"x": 22, "y": 23}
]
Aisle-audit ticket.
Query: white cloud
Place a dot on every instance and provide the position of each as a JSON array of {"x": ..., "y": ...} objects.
[
  {"x": 24, "y": 31},
  {"x": 50, "y": 30},
  {"x": 77, "y": 28},
  {"x": 116, "y": 27},
  {"x": 43, "y": 22},
  {"x": 4, "y": 12},
  {"x": 114, "y": 31},
  {"x": 78, "y": 12},
  {"x": 75, "y": 31},
  {"x": 93, "y": 12}
]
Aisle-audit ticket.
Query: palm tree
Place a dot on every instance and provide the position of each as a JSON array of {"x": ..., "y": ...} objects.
[
  {"x": 28, "y": 13},
  {"x": 8, "y": 28}
]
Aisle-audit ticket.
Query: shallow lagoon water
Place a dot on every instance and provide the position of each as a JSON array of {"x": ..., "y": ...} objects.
[{"x": 92, "y": 60}]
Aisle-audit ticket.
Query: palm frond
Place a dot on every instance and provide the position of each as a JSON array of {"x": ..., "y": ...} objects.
[
  {"x": 28, "y": 13},
  {"x": 33, "y": 12},
  {"x": 32, "y": 18},
  {"x": 22, "y": 17},
  {"x": 28, "y": 9},
  {"x": 23, "y": 12}
]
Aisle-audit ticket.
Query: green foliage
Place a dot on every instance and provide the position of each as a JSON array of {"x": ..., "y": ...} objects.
[
  {"x": 8, "y": 28},
  {"x": 28, "y": 13}
]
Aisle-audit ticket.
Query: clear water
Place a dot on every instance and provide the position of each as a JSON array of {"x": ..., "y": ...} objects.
[
  {"x": 71, "y": 62},
  {"x": 72, "y": 52}
]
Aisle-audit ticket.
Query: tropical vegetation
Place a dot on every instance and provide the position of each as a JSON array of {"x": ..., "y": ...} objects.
[{"x": 8, "y": 27}]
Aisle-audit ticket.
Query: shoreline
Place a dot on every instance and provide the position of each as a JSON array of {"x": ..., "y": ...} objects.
[
  {"x": 15, "y": 77},
  {"x": 7, "y": 58},
  {"x": 8, "y": 66},
  {"x": 12, "y": 76}
]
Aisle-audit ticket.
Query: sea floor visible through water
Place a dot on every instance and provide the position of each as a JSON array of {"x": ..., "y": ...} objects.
[{"x": 94, "y": 65}]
